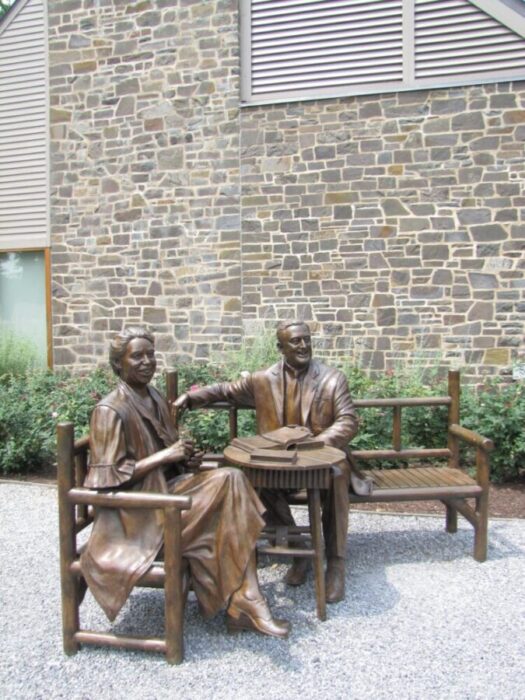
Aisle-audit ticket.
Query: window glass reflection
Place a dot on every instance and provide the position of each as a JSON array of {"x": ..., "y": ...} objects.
[{"x": 23, "y": 299}]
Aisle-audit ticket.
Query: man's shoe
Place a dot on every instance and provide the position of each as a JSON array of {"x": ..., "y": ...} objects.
[
  {"x": 335, "y": 580},
  {"x": 296, "y": 574}
]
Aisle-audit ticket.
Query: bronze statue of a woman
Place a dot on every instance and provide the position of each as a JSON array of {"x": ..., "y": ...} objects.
[{"x": 132, "y": 441}]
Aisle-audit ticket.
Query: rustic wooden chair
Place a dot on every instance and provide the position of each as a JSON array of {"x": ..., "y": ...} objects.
[{"x": 76, "y": 513}]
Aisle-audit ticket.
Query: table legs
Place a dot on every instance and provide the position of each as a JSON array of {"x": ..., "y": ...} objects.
[{"x": 314, "y": 511}]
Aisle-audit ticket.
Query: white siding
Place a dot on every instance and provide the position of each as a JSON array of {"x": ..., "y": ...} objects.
[
  {"x": 454, "y": 37},
  {"x": 309, "y": 49},
  {"x": 23, "y": 128},
  {"x": 312, "y": 45}
]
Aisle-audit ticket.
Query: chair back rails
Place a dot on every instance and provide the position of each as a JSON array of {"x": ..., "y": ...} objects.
[{"x": 450, "y": 484}]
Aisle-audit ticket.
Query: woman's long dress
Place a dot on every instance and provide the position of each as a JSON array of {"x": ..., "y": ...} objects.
[{"x": 219, "y": 531}]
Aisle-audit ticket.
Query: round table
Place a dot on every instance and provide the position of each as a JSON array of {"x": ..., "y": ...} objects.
[{"x": 305, "y": 468}]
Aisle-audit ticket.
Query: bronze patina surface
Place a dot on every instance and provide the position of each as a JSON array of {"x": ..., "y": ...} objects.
[
  {"x": 132, "y": 441},
  {"x": 302, "y": 391}
]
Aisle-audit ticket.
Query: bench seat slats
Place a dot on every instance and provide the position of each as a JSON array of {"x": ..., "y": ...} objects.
[{"x": 418, "y": 477}]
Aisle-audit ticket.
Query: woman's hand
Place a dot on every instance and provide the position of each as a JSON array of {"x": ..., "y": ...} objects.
[
  {"x": 180, "y": 451},
  {"x": 195, "y": 460}
]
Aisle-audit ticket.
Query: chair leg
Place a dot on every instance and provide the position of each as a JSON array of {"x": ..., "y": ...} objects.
[
  {"x": 173, "y": 587},
  {"x": 70, "y": 616},
  {"x": 68, "y": 582}
]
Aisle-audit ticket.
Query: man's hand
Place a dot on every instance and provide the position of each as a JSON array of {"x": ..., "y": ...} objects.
[
  {"x": 182, "y": 403},
  {"x": 178, "y": 407}
]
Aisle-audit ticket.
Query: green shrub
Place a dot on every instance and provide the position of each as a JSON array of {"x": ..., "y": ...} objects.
[
  {"x": 35, "y": 400},
  {"x": 498, "y": 412},
  {"x": 33, "y": 403}
]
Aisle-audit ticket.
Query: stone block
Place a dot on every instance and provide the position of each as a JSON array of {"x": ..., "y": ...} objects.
[
  {"x": 170, "y": 158},
  {"x": 414, "y": 223},
  {"x": 59, "y": 115},
  {"x": 435, "y": 252},
  {"x": 426, "y": 292},
  {"x": 443, "y": 277},
  {"x": 484, "y": 233},
  {"x": 480, "y": 280},
  {"x": 468, "y": 121},
  {"x": 477, "y": 215},
  {"x": 394, "y": 207},
  {"x": 359, "y": 301},
  {"x": 128, "y": 86},
  {"x": 340, "y": 197},
  {"x": 514, "y": 116},
  {"x": 448, "y": 106},
  {"x": 343, "y": 212},
  {"x": 386, "y": 316},
  {"x": 496, "y": 356}
]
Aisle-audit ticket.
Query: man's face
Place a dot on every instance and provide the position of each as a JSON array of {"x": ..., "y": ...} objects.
[
  {"x": 138, "y": 363},
  {"x": 295, "y": 345}
]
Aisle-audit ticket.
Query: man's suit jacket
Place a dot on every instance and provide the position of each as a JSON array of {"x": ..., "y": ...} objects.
[{"x": 326, "y": 405}]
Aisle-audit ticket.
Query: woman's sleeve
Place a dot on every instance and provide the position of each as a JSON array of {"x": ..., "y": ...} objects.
[{"x": 109, "y": 466}]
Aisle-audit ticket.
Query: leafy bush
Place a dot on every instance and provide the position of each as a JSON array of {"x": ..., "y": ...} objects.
[
  {"x": 498, "y": 412},
  {"x": 33, "y": 403}
]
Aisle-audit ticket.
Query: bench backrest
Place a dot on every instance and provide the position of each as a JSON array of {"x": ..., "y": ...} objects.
[{"x": 397, "y": 452}]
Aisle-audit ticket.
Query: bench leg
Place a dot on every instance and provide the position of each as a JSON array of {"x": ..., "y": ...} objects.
[
  {"x": 481, "y": 529},
  {"x": 451, "y": 518},
  {"x": 314, "y": 509}
]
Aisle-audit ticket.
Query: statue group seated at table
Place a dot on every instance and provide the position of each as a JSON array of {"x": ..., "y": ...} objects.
[{"x": 133, "y": 443}]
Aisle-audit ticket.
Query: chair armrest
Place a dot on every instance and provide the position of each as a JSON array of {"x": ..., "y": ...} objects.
[
  {"x": 472, "y": 438},
  {"x": 118, "y": 499}
]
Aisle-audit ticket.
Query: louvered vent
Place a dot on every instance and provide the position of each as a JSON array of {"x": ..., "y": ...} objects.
[
  {"x": 455, "y": 38},
  {"x": 23, "y": 130},
  {"x": 310, "y": 45}
]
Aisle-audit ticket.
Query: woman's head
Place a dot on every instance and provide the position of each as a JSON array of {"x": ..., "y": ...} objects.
[{"x": 120, "y": 342}]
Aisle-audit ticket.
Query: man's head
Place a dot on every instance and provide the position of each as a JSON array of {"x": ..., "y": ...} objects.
[
  {"x": 132, "y": 355},
  {"x": 295, "y": 343}
]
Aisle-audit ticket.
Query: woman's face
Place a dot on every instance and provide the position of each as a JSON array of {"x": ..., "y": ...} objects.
[{"x": 138, "y": 364}]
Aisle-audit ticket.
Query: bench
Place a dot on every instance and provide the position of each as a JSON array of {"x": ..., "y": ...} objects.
[{"x": 448, "y": 483}]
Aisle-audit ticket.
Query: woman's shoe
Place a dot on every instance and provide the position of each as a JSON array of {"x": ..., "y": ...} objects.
[{"x": 255, "y": 617}]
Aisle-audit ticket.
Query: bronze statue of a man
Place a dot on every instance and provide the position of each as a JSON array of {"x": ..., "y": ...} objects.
[
  {"x": 300, "y": 390},
  {"x": 132, "y": 440}
]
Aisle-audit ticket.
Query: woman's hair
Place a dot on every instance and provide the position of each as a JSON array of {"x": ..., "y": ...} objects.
[{"x": 120, "y": 342}]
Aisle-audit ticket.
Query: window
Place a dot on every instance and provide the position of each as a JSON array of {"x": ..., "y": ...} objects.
[
  {"x": 23, "y": 299},
  {"x": 309, "y": 49}
]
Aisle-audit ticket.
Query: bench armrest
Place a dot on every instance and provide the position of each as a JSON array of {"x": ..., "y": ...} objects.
[
  {"x": 118, "y": 499},
  {"x": 472, "y": 438}
]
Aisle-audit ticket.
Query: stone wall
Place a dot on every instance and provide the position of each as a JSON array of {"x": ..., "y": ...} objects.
[
  {"x": 393, "y": 223},
  {"x": 145, "y": 175}
]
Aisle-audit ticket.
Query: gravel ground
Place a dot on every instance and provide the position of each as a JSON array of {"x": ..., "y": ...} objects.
[{"x": 421, "y": 619}]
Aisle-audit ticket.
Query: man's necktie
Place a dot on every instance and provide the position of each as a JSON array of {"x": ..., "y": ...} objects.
[{"x": 292, "y": 404}]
